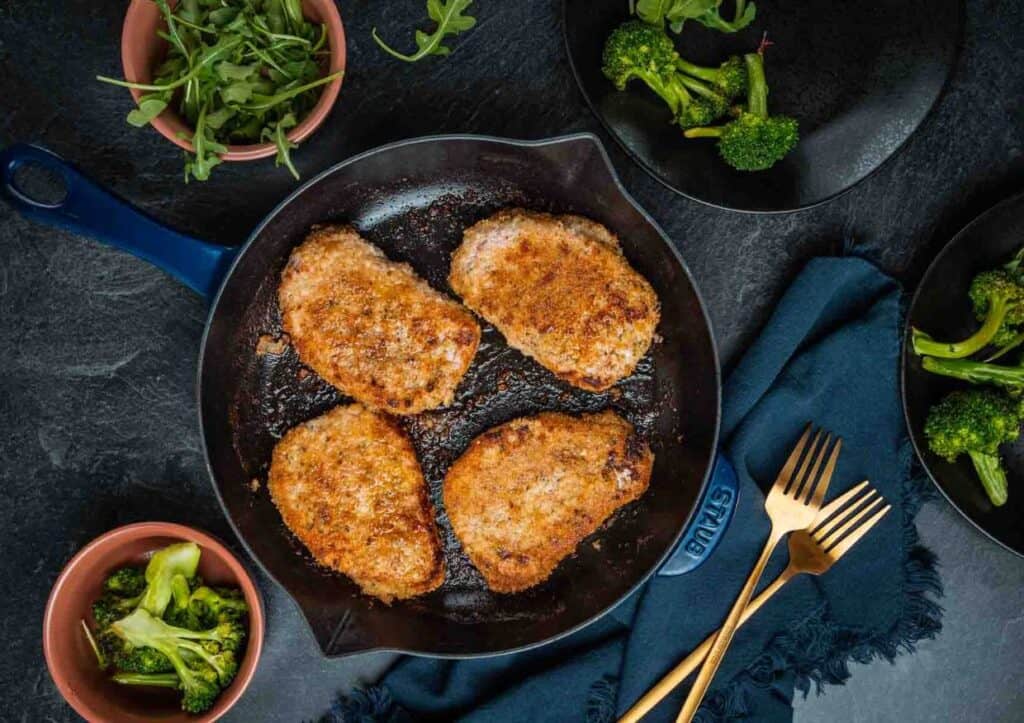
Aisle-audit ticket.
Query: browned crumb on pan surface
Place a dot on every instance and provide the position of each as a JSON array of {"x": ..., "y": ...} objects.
[
  {"x": 348, "y": 485},
  {"x": 372, "y": 327},
  {"x": 559, "y": 289},
  {"x": 524, "y": 494}
]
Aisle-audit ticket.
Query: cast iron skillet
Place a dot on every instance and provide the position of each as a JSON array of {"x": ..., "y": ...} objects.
[
  {"x": 413, "y": 199},
  {"x": 940, "y": 307},
  {"x": 859, "y": 76}
]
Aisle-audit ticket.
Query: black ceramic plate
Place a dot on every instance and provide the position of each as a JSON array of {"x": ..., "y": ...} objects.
[
  {"x": 859, "y": 76},
  {"x": 940, "y": 307}
]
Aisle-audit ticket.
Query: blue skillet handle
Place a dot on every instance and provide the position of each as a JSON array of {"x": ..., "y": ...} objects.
[
  {"x": 709, "y": 523},
  {"x": 89, "y": 210}
]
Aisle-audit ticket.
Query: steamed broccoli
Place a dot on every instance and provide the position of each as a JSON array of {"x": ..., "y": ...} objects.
[
  {"x": 998, "y": 300},
  {"x": 213, "y": 606},
  {"x": 729, "y": 79},
  {"x": 204, "y": 660},
  {"x": 110, "y": 607},
  {"x": 199, "y": 688},
  {"x": 132, "y": 659},
  {"x": 975, "y": 423},
  {"x": 179, "y": 559},
  {"x": 754, "y": 141},
  {"x": 1010, "y": 378},
  {"x": 126, "y": 581},
  {"x": 637, "y": 51}
]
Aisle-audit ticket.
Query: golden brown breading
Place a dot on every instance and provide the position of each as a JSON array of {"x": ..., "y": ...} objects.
[
  {"x": 525, "y": 493},
  {"x": 349, "y": 487},
  {"x": 560, "y": 290},
  {"x": 372, "y": 327}
]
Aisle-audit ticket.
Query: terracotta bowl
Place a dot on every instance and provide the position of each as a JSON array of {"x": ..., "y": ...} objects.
[
  {"x": 70, "y": 659},
  {"x": 142, "y": 50}
]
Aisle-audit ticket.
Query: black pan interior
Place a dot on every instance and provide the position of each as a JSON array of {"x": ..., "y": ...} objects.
[
  {"x": 859, "y": 76},
  {"x": 941, "y": 308},
  {"x": 414, "y": 200}
]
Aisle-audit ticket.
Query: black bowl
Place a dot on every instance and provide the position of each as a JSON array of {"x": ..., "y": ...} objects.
[
  {"x": 940, "y": 307},
  {"x": 860, "y": 78}
]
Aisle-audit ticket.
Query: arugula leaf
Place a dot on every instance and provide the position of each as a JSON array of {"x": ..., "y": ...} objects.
[
  {"x": 150, "y": 106},
  {"x": 653, "y": 12},
  {"x": 450, "y": 19},
  {"x": 279, "y": 137},
  {"x": 705, "y": 12},
  {"x": 205, "y": 150},
  {"x": 743, "y": 17}
]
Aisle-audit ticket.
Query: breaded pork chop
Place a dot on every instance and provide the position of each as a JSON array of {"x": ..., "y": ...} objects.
[
  {"x": 560, "y": 290},
  {"x": 372, "y": 327},
  {"x": 526, "y": 492},
  {"x": 349, "y": 487}
]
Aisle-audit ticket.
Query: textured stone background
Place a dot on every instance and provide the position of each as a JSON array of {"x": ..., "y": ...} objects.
[{"x": 97, "y": 416}]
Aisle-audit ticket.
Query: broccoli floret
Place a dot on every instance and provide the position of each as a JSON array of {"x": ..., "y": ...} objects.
[
  {"x": 179, "y": 612},
  {"x": 178, "y": 559},
  {"x": 975, "y": 422},
  {"x": 110, "y": 607},
  {"x": 212, "y": 606},
  {"x": 210, "y": 652},
  {"x": 716, "y": 104},
  {"x": 637, "y": 51},
  {"x": 995, "y": 295},
  {"x": 754, "y": 141},
  {"x": 729, "y": 79},
  {"x": 199, "y": 688},
  {"x": 130, "y": 658},
  {"x": 126, "y": 582}
]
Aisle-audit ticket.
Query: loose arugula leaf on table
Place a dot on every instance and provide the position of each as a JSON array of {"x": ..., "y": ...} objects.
[
  {"x": 237, "y": 71},
  {"x": 705, "y": 12},
  {"x": 284, "y": 146},
  {"x": 450, "y": 19}
]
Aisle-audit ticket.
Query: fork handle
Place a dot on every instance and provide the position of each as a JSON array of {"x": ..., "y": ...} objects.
[
  {"x": 725, "y": 634},
  {"x": 682, "y": 671}
]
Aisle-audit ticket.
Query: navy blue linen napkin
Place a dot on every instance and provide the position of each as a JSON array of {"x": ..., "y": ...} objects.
[{"x": 829, "y": 354}]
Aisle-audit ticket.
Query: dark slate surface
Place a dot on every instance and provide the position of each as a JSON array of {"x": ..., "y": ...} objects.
[{"x": 98, "y": 349}]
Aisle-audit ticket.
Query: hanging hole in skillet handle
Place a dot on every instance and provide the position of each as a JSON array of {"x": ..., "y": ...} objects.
[
  {"x": 38, "y": 185},
  {"x": 709, "y": 523},
  {"x": 43, "y": 187}
]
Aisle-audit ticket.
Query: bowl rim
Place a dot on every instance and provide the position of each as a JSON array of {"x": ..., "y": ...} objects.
[
  {"x": 250, "y": 152},
  {"x": 139, "y": 530}
]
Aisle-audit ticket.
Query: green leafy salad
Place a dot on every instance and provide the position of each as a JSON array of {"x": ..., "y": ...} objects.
[
  {"x": 237, "y": 72},
  {"x": 161, "y": 627}
]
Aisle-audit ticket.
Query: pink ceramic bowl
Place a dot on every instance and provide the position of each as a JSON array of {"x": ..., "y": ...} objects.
[
  {"x": 70, "y": 659},
  {"x": 142, "y": 50}
]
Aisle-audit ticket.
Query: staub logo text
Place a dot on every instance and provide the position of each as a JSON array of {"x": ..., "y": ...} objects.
[{"x": 710, "y": 521}]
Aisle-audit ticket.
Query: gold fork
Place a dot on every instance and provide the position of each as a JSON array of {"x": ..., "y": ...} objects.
[
  {"x": 792, "y": 504},
  {"x": 838, "y": 527}
]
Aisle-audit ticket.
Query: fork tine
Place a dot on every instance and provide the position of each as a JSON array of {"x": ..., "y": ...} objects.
[
  {"x": 788, "y": 469},
  {"x": 836, "y": 535},
  {"x": 816, "y": 495},
  {"x": 855, "y": 505},
  {"x": 812, "y": 460},
  {"x": 797, "y": 480},
  {"x": 837, "y": 504},
  {"x": 850, "y": 540}
]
